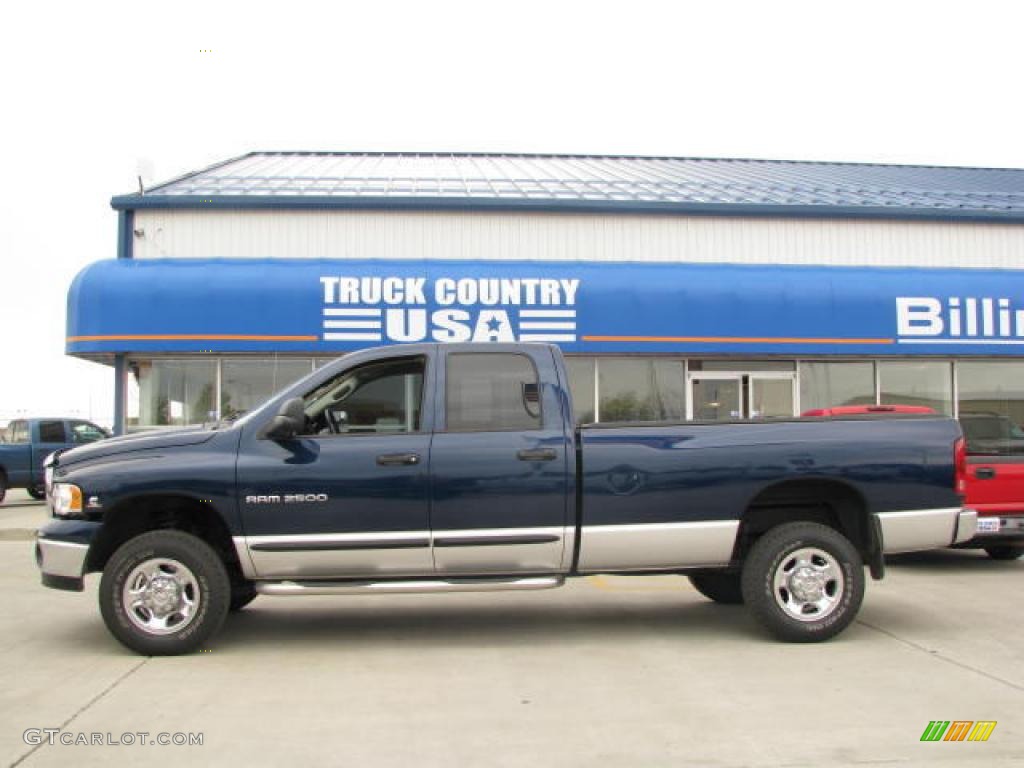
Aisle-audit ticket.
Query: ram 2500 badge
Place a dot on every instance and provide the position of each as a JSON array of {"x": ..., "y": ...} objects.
[{"x": 437, "y": 468}]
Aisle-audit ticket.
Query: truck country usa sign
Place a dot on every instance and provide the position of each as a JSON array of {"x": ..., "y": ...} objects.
[
  {"x": 449, "y": 309},
  {"x": 329, "y": 306}
]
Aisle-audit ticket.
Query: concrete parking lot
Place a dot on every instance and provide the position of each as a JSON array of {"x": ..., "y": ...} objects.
[{"x": 608, "y": 671}]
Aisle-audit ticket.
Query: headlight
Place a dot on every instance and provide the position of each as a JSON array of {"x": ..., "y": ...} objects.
[
  {"x": 48, "y": 463},
  {"x": 67, "y": 499}
]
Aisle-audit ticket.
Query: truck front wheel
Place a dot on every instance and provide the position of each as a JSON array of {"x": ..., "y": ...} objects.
[
  {"x": 804, "y": 582},
  {"x": 164, "y": 593},
  {"x": 720, "y": 587}
]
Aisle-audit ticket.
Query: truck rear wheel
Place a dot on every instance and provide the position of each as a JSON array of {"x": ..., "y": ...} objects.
[
  {"x": 164, "y": 593},
  {"x": 37, "y": 492},
  {"x": 723, "y": 588},
  {"x": 3, "y": 486},
  {"x": 1005, "y": 551},
  {"x": 804, "y": 582}
]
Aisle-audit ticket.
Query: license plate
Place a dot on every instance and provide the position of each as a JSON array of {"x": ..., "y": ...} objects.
[{"x": 988, "y": 525}]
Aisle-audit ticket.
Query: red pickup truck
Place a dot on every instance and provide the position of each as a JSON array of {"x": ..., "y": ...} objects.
[
  {"x": 995, "y": 476},
  {"x": 995, "y": 482}
]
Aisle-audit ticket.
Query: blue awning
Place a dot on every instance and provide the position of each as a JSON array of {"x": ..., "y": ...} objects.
[{"x": 327, "y": 306}]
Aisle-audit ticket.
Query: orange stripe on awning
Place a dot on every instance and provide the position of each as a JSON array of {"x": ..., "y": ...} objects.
[
  {"x": 736, "y": 340},
  {"x": 191, "y": 337}
]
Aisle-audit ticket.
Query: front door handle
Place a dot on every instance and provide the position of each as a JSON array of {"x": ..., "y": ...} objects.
[
  {"x": 537, "y": 454},
  {"x": 985, "y": 473},
  {"x": 398, "y": 459}
]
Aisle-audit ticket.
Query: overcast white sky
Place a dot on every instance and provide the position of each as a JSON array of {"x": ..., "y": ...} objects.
[{"x": 89, "y": 89}]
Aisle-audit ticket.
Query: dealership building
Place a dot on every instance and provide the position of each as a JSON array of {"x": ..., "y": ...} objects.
[{"x": 678, "y": 288}]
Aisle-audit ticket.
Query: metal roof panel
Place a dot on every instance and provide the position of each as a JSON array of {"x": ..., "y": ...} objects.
[{"x": 593, "y": 182}]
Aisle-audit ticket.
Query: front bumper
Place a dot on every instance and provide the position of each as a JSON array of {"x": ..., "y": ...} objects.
[
  {"x": 916, "y": 530},
  {"x": 62, "y": 549}
]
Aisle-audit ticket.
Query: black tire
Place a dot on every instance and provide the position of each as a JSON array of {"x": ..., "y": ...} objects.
[
  {"x": 1005, "y": 551},
  {"x": 725, "y": 588},
  {"x": 241, "y": 595},
  {"x": 3, "y": 486},
  {"x": 193, "y": 561},
  {"x": 37, "y": 492},
  {"x": 775, "y": 554}
]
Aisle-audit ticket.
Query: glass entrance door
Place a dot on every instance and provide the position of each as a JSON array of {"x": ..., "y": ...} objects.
[
  {"x": 732, "y": 396},
  {"x": 715, "y": 397}
]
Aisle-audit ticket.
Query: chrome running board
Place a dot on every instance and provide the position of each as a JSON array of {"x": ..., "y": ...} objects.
[{"x": 406, "y": 587}]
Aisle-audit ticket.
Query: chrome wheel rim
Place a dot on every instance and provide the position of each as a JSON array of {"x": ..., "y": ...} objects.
[
  {"x": 161, "y": 596},
  {"x": 808, "y": 584}
]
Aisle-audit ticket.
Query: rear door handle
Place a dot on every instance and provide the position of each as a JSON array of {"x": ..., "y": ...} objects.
[
  {"x": 985, "y": 473},
  {"x": 537, "y": 454},
  {"x": 398, "y": 459}
]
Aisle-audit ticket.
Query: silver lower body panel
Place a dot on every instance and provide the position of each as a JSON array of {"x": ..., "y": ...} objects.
[
  {"x": 336, "y": 555},
  {"x": 916, "y": 530},
  {"x": 654, "y": 546},
  {"x": 494, "y": 550}
]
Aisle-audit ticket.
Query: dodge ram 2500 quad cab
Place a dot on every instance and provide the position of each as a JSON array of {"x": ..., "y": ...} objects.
[
  {"x": 30, "y": 441},
  {"x": 455, "y": 467}
]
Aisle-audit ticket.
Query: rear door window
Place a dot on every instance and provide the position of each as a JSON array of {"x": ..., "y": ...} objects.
[
  {"x": 51, "y": 432},
  {"x": 492, "y": 392}
]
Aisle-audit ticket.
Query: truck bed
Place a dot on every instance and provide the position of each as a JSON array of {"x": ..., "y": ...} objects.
[{"x": 670, "y": 488}]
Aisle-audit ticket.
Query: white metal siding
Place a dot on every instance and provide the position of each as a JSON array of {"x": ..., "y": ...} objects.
[{"x": 574, "y": 237}]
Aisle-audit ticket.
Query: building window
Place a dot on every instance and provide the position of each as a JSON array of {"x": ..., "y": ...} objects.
[
  {"x": 827, "y": 385},
  {"x": 909, "y": 382},
  {"x": 641, "y": 389},
  {"x": 175, "y": 392},
  {"x": 991, "y": 406},
  {"x": 581, "y": 386},
  {"x": 245, "y": 384}
]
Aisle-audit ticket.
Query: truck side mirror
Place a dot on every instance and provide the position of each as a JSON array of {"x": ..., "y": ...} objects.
[{"x": 289, "y": 421}]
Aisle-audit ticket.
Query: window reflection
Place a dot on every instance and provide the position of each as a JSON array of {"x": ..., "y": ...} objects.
[
  {"x": 247, "y": 383},
  {"x": 175, "y": 392},
  {"x": 908, "y": 382},
  {"x": 829, "y": 385},
  {"x": 992, "y": 406},
  {"x": 641, "y": 390},
  {"x": 581, "y": 387}
]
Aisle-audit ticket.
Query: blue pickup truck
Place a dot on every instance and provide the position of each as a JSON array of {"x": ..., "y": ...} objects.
[
  {"x": 30, "y": 441},
  {"x": 440, "y": 468}
]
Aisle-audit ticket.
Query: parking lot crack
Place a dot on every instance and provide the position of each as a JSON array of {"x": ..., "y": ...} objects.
[
  {"x": 84, "y": 708},
  {"x": 941, "y": 657}
]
